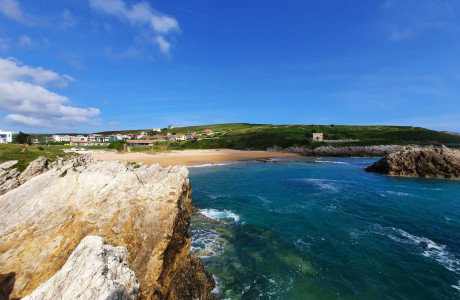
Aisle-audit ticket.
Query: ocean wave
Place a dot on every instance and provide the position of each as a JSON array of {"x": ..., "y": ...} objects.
[
  {"x": 399, "y": 193},
  {"x": 207, "y": 243},
  {"x": 427, "y": 247},
  {"x": 332, "y": 162},
  {"x": 324, "y": 184},
  {"x": 212, "y": 165},
  {"x": 219, "y": 214}
]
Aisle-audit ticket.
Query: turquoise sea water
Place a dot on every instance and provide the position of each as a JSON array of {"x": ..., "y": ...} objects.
[{"x": 326, "y": 230}]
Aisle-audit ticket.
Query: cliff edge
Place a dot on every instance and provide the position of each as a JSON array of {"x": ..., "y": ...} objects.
[
  {"x": 429, "y": 162},
  {"x": 144, "y": 209}
]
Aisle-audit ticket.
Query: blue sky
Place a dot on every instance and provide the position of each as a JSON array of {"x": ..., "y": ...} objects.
[{"x": 93, "y": 65}]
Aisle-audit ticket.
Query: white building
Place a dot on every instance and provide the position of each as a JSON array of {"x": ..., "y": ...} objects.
[
  {"x": 6, "y": 137},
  {"x": 60, "y": 138},
  {"x": 156, "y": 129},
  {"x": 170, "y": 126}
]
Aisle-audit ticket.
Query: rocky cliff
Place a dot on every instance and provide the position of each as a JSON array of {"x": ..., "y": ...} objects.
[
  {"x": 430, "y": 162},
  {"x": 145, "y": 209},
  {"x": 346, "y": 151}
]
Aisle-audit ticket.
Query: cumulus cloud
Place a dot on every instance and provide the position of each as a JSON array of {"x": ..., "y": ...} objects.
[
  {"x": 24, "y": 94},
  {"x": 11, "y": 9},
  {"x": 141, "y": 14}
]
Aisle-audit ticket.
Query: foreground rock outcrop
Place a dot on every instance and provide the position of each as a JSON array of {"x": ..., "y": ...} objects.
[
  {"x": 430, "y": 162},
  {"x": 145, "y": 209},
  {"x": 345, "y": 151},
  {"x": 94, "y": 270},
  {"x": 11, "y": 177}
]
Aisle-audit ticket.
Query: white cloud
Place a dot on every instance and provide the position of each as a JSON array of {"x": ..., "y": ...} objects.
[
  {"x": 68, "y": 19},
  {"x": 24, "y": 96},
  {"x": 11, "y": 9},
  {"x": 164, "y": 45},
  {"x": 142, "y": 14},
  {"x": 26, "y": 42},
  {"x": 405, "y": 21}
]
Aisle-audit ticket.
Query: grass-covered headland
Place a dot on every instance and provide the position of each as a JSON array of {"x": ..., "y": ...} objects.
[{"x": 245, "y": 136}]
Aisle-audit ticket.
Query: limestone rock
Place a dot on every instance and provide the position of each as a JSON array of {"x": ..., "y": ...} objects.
[
  {"x": 430, "y": 162},
  {"x": 94, "y": 271},
  {"x": 35, "y": 168},
  {"x": 8, "y": 176},
  {"x": 8, "y": 164},
  {"x": 43, "y": 220}
]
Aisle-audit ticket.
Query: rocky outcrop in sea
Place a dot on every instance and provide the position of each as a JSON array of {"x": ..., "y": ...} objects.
[
  {"x": 145, "y": 209},
  {"x": 345, "y": 151},
  {"x": 430, "y": 162}
]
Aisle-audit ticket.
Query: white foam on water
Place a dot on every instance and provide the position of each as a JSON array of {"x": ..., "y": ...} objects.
[
  {"x": 427, "y": 247},
  {"x": 324, "y": 184},
  {"x": 302, "y": 245},
  {"x": 216, "y": 290},
  {"x": 207, "y": 243},
  {"x": 213, "y": 164},
  {"x": 219, "y": 214},
  {"x": 332, "y": 162},
  {"x": 402, "y": 194}
]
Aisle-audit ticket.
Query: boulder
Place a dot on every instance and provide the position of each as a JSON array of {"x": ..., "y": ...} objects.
[
  {"x": 430, "y": 162},
  {"x": 94, "y": 271},
  {"x": 35, "y": 168}
]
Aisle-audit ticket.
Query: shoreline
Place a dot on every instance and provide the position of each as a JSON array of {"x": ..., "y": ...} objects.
[{"x": 189, "y": 157}]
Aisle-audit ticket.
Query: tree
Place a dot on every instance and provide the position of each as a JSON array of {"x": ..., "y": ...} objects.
[
  {"x": 118, "y": 145},
  {"x": 22, "y": 138}
]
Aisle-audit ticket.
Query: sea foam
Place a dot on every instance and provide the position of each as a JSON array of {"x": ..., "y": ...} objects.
[{"x": 219, "y": 214}]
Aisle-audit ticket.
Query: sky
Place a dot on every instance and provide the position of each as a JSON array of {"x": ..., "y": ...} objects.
[{"x": 95, "y": 65}]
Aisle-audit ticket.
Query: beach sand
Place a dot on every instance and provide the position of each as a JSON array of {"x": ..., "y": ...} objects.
[{"x": 188, "y": 157}]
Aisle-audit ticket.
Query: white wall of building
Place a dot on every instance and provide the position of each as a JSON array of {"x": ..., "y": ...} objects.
[{"x": 6, "y": 137}]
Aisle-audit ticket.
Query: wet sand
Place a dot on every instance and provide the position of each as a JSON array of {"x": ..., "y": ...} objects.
[{"x": 188, "y": 157}]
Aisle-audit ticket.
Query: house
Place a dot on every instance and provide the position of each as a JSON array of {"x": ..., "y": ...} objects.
[
  {"x": 141, "y": 135},
  {"x": 6, "y": 137},
  {"x": 180, "y": 137},
  {"x": 81, "y": 143},
  {"x": 207, "y": 132},
  {"x": 156, "y": 129},
  {"x": 191, "y": 135},
  {"x": 79, "y": 137},
  {"x": 170, "y": 126},
  {"x": 159, "y": 137},
  {"x": 98, "y": 138},
  {"x": 139, "y": 143},
  {"x": 60, "y": 138},
  {"x": 317, "y": 136}
]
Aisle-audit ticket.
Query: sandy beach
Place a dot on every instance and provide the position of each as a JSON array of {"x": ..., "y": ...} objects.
[{"x": 188, "y": 157}]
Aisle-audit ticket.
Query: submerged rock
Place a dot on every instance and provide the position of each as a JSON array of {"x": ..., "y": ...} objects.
[
  {"x": 43, "y": 220},
  {"x": 430, "y": 162},
  {"x": 93, "y": 271}
]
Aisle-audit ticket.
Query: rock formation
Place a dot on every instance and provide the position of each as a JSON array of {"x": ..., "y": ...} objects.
[
  {"x": 430, "y": 162},
  {"x": 11, "y": 178},
  {"x": 94, "y": 270},
  {"x": 8, "y": 176},
  {"x": 145, "y": 209},
  {"x": 345, "y": 151}
]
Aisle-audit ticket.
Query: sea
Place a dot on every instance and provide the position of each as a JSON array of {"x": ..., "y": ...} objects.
[{"x": 324, "y": 228}]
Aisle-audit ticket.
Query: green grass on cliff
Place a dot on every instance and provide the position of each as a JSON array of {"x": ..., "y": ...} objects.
[
  {"x": 24, "y": 154},
  {"x": 261, "y": 136}
]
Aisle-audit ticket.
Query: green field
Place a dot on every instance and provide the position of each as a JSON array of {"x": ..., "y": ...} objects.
[
  {"x": 245, "y": 136},
  {"x": 24, "y": 154}
]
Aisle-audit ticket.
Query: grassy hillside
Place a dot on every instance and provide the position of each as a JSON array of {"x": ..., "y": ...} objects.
[
  {"x": 261, "y": 136},
  {"x": 24, "y": 154}
]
